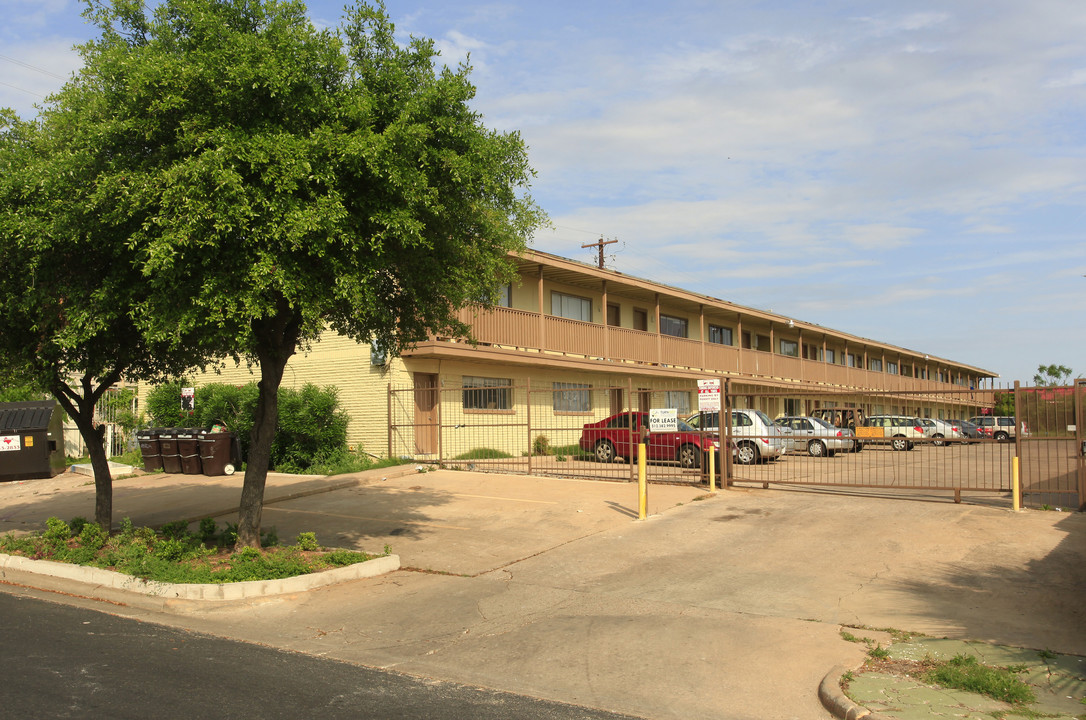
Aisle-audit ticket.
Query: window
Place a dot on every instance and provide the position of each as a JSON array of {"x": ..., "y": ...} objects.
[
  {"x": 505, "y": 296},
  {"x": 891, "y": 367},
  {"x": 761, "y": 342},
  {"x": 850, "y": 360},
  {"x": 571, "y": 397},
  {"x": 680, "y": 400},
  {"x": 790, "y": 348},
  {"x": 812, "y": 352},
  {"x": 831, "y": 356},
  {"x": 614, "y": 315},
  {"x": 571, "y": 306},
  {"x": 483, "y": 393},
  {"x": 720, "y": 335},
  {"x": 673, "y": 326},
  {"x": 874, "y": 364},
  {"x": 792, "y": 406},
  {"x": 640, "y": 319}
]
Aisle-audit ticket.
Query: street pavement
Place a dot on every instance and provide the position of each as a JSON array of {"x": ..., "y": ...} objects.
[{"x": 725, "y": 605}]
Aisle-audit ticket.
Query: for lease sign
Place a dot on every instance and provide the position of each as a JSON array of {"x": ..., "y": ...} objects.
[{"x": 9, "y": 442}]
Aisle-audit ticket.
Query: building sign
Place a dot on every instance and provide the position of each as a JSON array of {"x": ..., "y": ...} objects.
[
  {"x": 663, "y": 420},
  {"x": 708, "y": 396},
  {"x": 9, "y": 442},
  {"x": 188, "y": 398}
]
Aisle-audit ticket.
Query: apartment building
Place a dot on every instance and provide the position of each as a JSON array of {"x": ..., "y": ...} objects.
[{"x": 595, "y": 337}]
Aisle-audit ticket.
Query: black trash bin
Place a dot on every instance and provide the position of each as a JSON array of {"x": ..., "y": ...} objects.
[
  {"x": 188, "y": 447},
  {"x": 219, "y": 452},
  {"x": 150, "y": 448},
  {"x": 171, "y": 455}
]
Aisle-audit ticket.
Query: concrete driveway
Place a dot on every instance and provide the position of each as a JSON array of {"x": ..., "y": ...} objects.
[{"x": 728, "y": 606}]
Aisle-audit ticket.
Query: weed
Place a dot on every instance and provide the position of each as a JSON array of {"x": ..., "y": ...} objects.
[
  {"x": 879, "y": 653},
  {"x": 964, "y": 672},
  {"x": 1046, "y": 654},
  {"x": 849, "y": 637},
  {"x": 541, "y": 445},
  {"x": 483, "y": 454},
  {"x": 1046, "y": 506},
  {"x": 388, "y": 549}
]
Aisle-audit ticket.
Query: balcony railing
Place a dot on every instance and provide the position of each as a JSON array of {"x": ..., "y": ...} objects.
[{"x": 523, "y": 329}]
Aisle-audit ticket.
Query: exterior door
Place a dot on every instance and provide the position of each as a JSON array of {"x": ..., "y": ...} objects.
[{"x": 427, "y": 414}]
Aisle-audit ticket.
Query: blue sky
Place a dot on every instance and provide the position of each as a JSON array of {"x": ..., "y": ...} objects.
[{"x": 911, "y": 172}]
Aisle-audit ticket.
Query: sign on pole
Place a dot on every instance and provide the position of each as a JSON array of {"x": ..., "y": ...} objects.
[{"x": 708, "y": 396}]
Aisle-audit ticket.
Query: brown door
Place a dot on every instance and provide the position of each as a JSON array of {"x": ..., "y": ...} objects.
[
  {"x": 427, "y": 414},
  {"x": 617, "y": 405}
]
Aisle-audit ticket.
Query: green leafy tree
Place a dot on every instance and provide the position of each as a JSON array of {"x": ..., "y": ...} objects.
[
  {"x": 275, "y": 180},
  {"x": 69, "y": 283},
  {"x": 1052, "y": 375}
]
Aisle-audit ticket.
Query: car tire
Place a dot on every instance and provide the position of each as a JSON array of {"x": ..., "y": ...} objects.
[
  {"x": 1001, "y": 436},
  {"x": 747, "y": 454},
  {"x": 816, "y": 448},
  {"x": 900, "y": 443},
  {"x": 857, "y": 447},
  {"x": 605, "y": 451},
  {"x": 689, "y": 457},
  {"x": 937, "y": 440}
]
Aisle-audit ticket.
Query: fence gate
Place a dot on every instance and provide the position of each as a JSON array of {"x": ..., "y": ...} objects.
[{"x": 1050, "y": 437}]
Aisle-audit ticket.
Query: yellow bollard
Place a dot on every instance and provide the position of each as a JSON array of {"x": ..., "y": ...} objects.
[
  {"x": 642, "y": 484},
  {"x": 712, "y": 469},
  {"x": 1016, "y": 505}
]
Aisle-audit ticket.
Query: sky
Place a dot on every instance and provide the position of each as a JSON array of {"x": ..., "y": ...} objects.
[{"x": 907, "y": 171}]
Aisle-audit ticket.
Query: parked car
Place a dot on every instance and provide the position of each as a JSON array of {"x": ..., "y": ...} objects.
[
  {"x": 612, "y": 438},
  {"x": 900, "y": 431},
  {"x": 815, "y": 436},
  {"x": 938, "y": 430},
  {"x": 968, "y": 429},
  {"x": 756, "y": 436},
  {"x": 998, "y": 427}
]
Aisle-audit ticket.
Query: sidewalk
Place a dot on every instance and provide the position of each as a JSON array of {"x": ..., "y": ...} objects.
[{"x": 727, "y": 606}]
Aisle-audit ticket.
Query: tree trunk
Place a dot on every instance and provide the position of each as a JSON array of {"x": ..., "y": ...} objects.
[
  {"x": 80, "y": 407},
  {"x": 277, "y": 339}
]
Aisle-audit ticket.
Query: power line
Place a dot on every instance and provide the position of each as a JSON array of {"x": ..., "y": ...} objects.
[
  {"x": 15, "y": 87},
  {"x": 28, "y": 66}
]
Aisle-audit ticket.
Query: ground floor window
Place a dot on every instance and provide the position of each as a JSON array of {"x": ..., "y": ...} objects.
[
  {"x": 678, "y": 399},
  {"x": 571, "y": 397},
  {"x": 792, "y": 406},
  {"x": 485, "y": 393}
]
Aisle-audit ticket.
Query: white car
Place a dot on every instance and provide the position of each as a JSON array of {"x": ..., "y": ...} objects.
[
  {"x": 898, "y": 430},
  {"x": 756, "y": 436}
]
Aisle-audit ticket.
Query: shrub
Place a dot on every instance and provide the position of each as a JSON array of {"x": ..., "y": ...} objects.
[{"x": 307, "y": 541}]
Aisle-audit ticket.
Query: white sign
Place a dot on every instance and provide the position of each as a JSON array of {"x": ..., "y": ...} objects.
[
  {"x": 188, "y": 398},
  {"x": 664, "y": 420},
  {"x": 708, "y": 395},
  {"x": 9, "y": 442}
]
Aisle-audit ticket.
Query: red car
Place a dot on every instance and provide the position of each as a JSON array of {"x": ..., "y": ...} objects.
[{"x": 613, "y": 437}]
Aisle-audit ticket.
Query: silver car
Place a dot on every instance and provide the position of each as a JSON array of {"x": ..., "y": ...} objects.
[
  {"x": 815, "y": 436},
  {"x": 756, "y": 436},
  {"x": 938, "y": 430}
]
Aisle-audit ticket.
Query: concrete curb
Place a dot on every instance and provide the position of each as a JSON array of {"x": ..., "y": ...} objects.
[
  {"x": 99, "y": 578},
  {"x": 834, "y": 699}
]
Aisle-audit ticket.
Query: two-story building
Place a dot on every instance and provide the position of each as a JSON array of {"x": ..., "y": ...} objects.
[{"x": 594, "y": 342}]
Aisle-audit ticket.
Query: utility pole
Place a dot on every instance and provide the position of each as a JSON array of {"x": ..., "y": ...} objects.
[{"x": 600, "y": 243}]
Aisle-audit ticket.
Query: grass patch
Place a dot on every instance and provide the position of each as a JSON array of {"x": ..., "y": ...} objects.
[
  {"x": 483, "y": 454},
  {"x": 965, "y": 672},
  {"x": 176, "y": 555}
]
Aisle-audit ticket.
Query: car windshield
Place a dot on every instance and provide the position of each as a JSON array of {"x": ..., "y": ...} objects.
[{"x": 763, "y": 417}]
